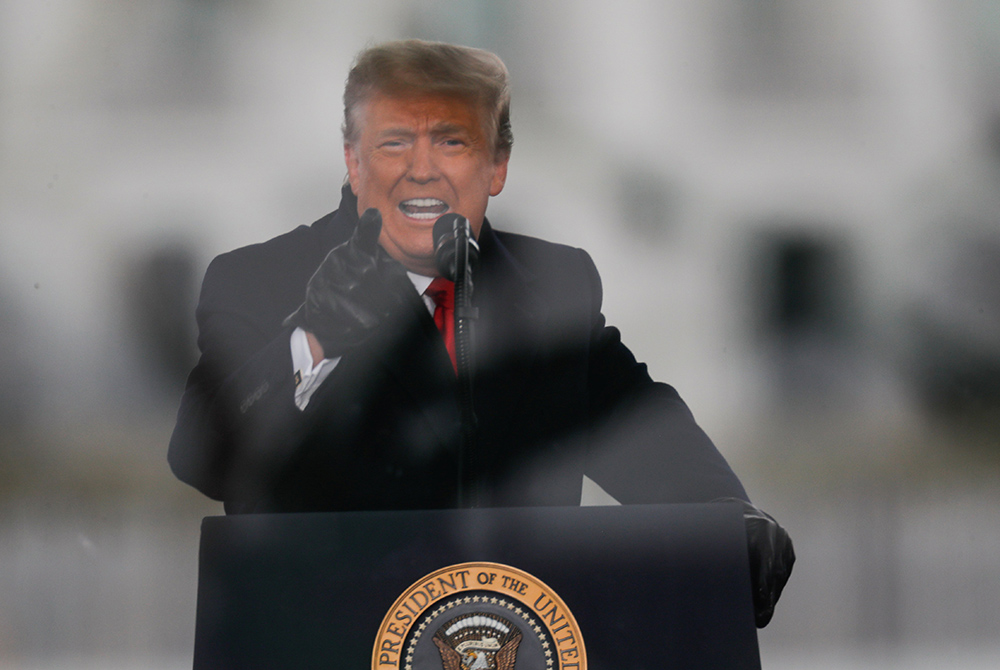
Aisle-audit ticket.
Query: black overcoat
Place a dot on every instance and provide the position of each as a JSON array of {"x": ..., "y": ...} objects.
[{"x": 556, "y": 393}]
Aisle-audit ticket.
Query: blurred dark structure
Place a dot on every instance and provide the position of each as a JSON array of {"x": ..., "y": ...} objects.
[
  {"x": 955, "y": 359},
  {"x": 16, "y": 390},
  {"x": 805, "y": 299},
  {"x": 161, "y": 295}
]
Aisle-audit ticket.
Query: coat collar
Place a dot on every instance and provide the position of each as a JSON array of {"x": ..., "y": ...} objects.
[
  {"x": 338, "y": 226},
  {"x": 504, "y": 280}
]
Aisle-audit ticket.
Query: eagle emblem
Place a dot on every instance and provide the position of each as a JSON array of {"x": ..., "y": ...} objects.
[
  {"x": 479, "y": 616},
  {"x": 478, "y": 641}
]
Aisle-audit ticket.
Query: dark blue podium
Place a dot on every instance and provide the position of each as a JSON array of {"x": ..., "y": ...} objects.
[{"x": 644, "y": 587}]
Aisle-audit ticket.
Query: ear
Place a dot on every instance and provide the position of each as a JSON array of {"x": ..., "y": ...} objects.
[
  {"x": 499, "y": 174},
  {"x": 352, "y": 162}
]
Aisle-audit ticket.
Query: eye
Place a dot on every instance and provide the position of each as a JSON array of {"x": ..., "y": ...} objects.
[
  {"x": 394, "y": 142},
  {"x": 453, "y": 144}
]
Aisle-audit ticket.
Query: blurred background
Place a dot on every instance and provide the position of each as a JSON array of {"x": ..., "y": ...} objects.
[{"x": 793, "y": 203}]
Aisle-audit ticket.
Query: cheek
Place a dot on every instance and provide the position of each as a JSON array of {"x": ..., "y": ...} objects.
[{"x": 382, "y": 176}]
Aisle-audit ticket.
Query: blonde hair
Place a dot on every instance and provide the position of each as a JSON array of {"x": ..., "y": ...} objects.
[{"x": 409, "y": 67}]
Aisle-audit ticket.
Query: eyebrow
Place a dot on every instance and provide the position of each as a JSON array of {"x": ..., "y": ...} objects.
[
  {"x": 396, "y": 132},
  {"x": 445, "y": 128}
]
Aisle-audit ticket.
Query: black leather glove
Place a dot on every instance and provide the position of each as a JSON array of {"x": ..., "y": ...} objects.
[
  {"x": 355, "y": 289},
  {"x": 771, "y": 559}
]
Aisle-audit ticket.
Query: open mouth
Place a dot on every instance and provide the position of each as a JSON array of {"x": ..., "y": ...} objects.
[{"x": 423, "y": 208}]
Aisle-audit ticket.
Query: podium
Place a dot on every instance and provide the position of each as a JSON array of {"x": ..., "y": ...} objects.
[{"x": 599, "y": 588}]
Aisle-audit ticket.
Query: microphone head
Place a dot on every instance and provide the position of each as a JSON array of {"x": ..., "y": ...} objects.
[
  {"x": 450, "y": 230},
  {"x": 445, "y": 228}
]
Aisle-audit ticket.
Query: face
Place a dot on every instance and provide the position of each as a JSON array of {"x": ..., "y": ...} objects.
[{"x": 416, "y": 158}]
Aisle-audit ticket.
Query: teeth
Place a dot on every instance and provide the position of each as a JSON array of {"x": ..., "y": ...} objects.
[
  {"x": 423, "y": 202},
  {"x": 423, "y": 208}
]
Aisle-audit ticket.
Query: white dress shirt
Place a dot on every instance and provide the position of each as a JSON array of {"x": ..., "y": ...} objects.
[{"x": 308, "y": 377}]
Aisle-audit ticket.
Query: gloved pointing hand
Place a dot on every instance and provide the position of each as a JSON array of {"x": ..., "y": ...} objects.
[{"x": 352, "y": 291}]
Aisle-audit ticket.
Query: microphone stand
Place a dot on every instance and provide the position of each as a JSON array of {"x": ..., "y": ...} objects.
[
  {"x": 456, "y": 258},
  {"x": 465, "y": 314}
]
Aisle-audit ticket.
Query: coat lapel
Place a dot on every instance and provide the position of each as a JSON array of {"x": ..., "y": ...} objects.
[{"x": 512, "y": 317}]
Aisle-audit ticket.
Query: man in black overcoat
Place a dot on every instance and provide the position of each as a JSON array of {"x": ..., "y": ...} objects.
[{"x": 326, "y": 381}]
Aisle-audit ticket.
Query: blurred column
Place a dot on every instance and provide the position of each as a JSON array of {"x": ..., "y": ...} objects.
[{"x": 805, "y": 287}]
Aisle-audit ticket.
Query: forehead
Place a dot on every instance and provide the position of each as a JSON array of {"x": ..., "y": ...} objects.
[{"x": 415, "y": 112}]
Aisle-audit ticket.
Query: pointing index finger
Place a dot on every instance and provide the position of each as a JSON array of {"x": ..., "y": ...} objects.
[{"x": 369, "y": 229}]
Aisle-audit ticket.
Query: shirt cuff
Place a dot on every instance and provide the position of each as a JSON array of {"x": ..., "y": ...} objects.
[{"x": 307, "y": 377}]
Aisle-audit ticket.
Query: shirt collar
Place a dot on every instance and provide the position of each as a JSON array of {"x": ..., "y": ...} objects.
[{"x": 420, "y": 282}]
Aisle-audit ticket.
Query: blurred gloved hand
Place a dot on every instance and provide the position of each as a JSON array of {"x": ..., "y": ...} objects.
[
  {"x": 771, "y": 559},
  {"x": 354, "y": 289}
]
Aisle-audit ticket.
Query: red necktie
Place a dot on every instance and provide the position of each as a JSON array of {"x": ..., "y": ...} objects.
[{"x": 442, "y": 292}]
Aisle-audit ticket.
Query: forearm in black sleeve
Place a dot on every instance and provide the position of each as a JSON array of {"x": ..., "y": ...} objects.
[
  {"x": 237, "y": 414},
  {"x": 232, "y": 432}
]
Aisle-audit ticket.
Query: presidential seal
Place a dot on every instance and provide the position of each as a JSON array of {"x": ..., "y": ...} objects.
[{"x": 479, "y": 616}]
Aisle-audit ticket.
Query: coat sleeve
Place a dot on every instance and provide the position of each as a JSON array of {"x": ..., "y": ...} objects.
[
  {"x": 237, "y": 416},
  {"x": 646, "y": 446}
]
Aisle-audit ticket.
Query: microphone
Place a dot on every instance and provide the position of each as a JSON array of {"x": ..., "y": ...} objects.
[{"x": 453, "y": 236}]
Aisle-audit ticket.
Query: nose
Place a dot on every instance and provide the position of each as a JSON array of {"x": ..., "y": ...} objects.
[{"x": 423, "y": 166}]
